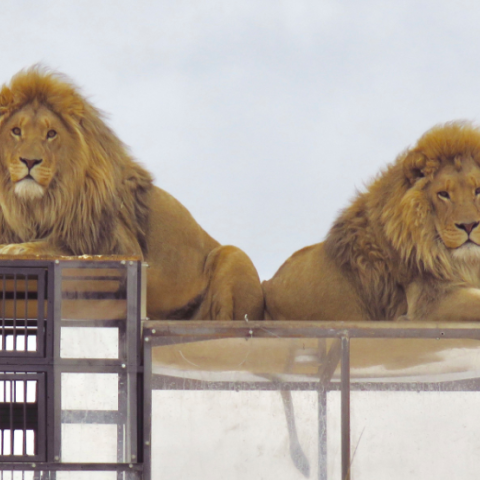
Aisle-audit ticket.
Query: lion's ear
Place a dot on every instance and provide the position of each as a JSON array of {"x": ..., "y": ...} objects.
[
  {"x": 6, "y": 100},
  {"x": 414, "y": 164}
]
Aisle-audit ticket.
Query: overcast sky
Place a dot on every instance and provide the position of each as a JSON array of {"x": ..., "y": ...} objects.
[{"x": 262, "y": 117}]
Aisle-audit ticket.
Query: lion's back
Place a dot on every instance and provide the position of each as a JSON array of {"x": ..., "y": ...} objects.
[{"x": 310, "y": 286}]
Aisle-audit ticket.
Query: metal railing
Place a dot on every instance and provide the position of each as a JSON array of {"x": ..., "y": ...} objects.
[{"x": 345, "y": 357}]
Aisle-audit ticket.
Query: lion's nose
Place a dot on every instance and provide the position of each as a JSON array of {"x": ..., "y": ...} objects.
[
  {"x": 30, "y": 163},
  {"x": 468, "y": 227}
]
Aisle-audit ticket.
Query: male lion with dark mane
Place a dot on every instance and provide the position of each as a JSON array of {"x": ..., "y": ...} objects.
[
  {"x": 409, "y": 246},
  {"x": 68, "y": 186}
]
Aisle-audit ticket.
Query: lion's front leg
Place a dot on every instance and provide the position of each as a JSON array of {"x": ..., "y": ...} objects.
[
  {"x": 461, "y": 304},
  {"x": 234, "y": 289},
  {"x": 442, "y": 303},
  {"x": 30, "y": 248}
]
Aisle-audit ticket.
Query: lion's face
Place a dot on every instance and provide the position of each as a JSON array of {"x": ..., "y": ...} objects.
[
  {"x": 455, "y": 195},
  {"x": 32, "y": 142}
]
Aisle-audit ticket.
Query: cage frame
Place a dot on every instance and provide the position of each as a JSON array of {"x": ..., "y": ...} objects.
[
  {"x": 163, "y": 333},
  {"x": 128, "y": 366}
]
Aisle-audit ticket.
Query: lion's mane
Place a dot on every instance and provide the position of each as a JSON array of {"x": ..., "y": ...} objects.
[
  {"x": 81, "y": 209},
  {"x": 387, "y": 236}
]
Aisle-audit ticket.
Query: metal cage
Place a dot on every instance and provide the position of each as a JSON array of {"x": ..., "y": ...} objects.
[
  {"x": 209, "y": 368},
  {"x": 71, "y": 367},
  {"x": 80, "y": 383}
]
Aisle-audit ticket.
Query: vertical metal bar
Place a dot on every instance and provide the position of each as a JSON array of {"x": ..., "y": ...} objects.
[
  {"x": 141, "y": 306},
  {"x": 322, "y": 432},
  {"x": 147, "y": 410},
  {"x": 345, "y": 408},
  {"x": 133, "y": 341},
  {"x": 133, "y": 313},
  {"x": 122, "y": 418},
  {"x": 11, "y": 417},
  {"x": 25, "y": 329},
  {"x": 4, "y": 301},
  {"x": 50, "y": 426},
  {"x": 51, "y": 346},
  {"x": 40, "y": 434},
  {"x": 57, "y": 439},
  {"x": 49, "y": 340},
  {"x": 132, "y": 418},
  {"x": 15, "y": 312},
  {"x": 24, "y": 447},
  {"x": 2, "y": 400},
  {"x": 54, "y": 406},
  {"x": 322, "y": 409},
  {"x": 42, "y": 329}
]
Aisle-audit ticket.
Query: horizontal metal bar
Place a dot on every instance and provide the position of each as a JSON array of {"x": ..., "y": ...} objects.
[
  {"x": 65, "y": 323},
  {"x": 113, "y": 367},
  {"x": 20, "y": 376},
  {"x": 164, "y": 382},
  {"x": 106, "y": 417},
  {"x": 16, "y": 263},
  {"x": 17, "y": 460},
  {"x": 93, "y": 277},
  {"x": 67, "y": 367},
  {"x": 10, "y": 269},
  {"x": 165, "y": 332},
  {"x": 88, "y": 467},
  {"x": 21, "y": 357},
  {"x": 24, "y": 364},
  {"x": 108, "y": 263},
  {"x": 19, "y": 323}
]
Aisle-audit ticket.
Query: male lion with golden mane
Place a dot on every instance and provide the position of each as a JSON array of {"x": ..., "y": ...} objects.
[
  {"x": 68, "y": 186},
  {"x": 408, "y": 246}
]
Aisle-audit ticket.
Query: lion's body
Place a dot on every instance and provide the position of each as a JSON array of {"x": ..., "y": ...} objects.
[
  {"x": 69, "y": 186},
  {"x": 408, "y": 246},
  {"x": 297, "y": 291}
]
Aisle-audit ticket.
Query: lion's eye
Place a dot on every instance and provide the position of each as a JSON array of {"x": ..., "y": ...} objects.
[
  {"x": 16, "y": 131},
  {"x": 443, "y": 194},
  {"x": 51, "y": 134},
  {"x": 477, "y": 191}
]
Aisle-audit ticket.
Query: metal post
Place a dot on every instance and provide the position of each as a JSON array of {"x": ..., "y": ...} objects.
[
  {"x": 132, "y": 330},
  {"x": 322, "y": 409},
  {"x": 345, "y": 408},
  {"x": 147, "y": 408},
  {"x": 322, "y": 432}
]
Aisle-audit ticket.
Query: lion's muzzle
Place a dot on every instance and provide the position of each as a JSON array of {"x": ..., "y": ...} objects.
[{"x": 30, "y": 163}]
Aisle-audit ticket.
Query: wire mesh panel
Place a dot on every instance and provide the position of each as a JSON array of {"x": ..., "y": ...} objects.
[
  {"x": 22, "y": 416},
  {"x": 22, "y": 311}
]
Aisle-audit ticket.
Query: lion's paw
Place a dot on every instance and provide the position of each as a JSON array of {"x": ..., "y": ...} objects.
[{"x": 15, "y": 249}]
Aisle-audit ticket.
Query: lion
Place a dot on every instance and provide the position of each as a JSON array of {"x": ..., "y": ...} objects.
[
  {"x": 407, "y": 248},
  {"x": 68, "y": 186}
]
